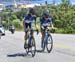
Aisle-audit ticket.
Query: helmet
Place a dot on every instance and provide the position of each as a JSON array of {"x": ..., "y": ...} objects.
[
  {"x": 46, "y": 14},
  {"x": 31, "y": 10}
]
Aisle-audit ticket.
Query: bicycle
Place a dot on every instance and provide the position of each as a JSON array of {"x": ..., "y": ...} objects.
[
  {"x": 48, "y": 41},
  {"x": 30, "y": 43}
]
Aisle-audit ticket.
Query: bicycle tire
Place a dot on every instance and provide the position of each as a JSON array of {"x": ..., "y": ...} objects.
[
  {"x": 49, "y": 42},
  {"x": 33, "y": 47}
]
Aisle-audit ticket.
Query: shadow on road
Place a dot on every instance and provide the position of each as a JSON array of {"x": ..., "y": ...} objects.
[
  {"x": 18, "y": 55},
  {"x": 24, "y": 54},
  {"x": 40, "y": 51}
]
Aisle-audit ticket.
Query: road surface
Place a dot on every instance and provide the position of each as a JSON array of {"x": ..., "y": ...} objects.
[{"x": 11, "y": 49}]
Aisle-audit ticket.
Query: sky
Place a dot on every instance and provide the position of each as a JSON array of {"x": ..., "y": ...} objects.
[{"x": 9, "y": 2}]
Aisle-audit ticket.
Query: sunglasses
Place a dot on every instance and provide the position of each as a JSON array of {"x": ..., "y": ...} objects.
[{"x": 46, "y": 16}]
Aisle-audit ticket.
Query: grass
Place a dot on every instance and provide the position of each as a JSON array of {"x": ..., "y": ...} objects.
[{"x": 65, "y": 31}]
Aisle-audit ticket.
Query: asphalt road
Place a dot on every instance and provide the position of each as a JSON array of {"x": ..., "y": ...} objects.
[{"x": 11, "y": 49}]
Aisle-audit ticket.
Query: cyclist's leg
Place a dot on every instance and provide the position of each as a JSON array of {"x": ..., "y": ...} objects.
[
  {"x": 31, "y": 34},
  {"x": 25, "y": 28},
  {"x": 25, "y": 37},
  {"x": 31, "y": 28},
  {"x": 43, "y": 34}
]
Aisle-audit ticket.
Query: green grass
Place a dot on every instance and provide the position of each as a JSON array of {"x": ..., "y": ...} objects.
[{"x": 65, "y": 31}]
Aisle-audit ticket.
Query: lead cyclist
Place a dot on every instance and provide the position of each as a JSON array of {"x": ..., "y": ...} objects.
[{"x": 45, "y": 21}]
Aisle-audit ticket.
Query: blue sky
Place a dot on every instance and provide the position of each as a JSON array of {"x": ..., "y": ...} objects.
[
  {"x": 38, "y": 1},
  {"x": 57, "y": 1}
]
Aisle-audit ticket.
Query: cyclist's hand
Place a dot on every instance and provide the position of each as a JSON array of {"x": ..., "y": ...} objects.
[
  {"x": 42, "y": 27},
  {"x": 49, "y": 28}
]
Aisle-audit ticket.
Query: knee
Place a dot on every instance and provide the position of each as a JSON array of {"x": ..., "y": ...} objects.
[{"x": 42, "y": 34}]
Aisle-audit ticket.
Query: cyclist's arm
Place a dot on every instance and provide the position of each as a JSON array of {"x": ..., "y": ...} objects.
[
  {"x": 51, "y": 23},
  {"x": 34, "y": 18},
  {"x": 41, "y": 22},
  {"x": 25, "y": 18}
]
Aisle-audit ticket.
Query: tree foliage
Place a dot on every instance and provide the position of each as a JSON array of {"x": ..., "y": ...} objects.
[{"x": 63, "y": 15}]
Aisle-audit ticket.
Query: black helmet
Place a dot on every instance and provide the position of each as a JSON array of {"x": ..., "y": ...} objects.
[{"x": 31, "y": 10}]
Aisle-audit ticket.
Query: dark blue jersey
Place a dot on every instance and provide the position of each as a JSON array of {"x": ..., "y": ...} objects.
[
  {"x": 28, "y": 18},
  {"x": 45, "y": 22}
]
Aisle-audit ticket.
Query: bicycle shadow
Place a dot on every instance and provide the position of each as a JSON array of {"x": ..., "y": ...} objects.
[
  {"x": 19, "y": 55},
  {"x": 40, "y": 51},
  {"x": 24, "y": 54}
]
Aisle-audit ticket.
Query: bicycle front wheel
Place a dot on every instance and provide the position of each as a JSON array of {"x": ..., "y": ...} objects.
[
  {"x": 49, "y": 44},
  {"x": 33, "y": 47}
]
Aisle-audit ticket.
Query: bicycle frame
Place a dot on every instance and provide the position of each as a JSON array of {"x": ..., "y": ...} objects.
[
  {"x": 45, "y": 41},
  {"x": 46, "y": 35}
]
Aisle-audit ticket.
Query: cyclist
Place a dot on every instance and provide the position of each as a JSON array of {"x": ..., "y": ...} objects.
[
  {"x": 27, "y": 22},
  {"x": 45, "y": 21}
]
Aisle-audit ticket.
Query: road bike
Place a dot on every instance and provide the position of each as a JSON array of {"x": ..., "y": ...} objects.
[
  {"x": 47, "y": 41},
  {"x": 30, "y": 41}
]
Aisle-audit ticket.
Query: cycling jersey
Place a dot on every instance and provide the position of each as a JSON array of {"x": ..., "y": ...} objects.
[
  {"x": 28, "y": 18},
  {"x": 45, "y": 22}
]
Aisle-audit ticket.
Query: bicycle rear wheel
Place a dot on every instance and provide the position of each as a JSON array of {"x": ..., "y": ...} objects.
[
  {"x": 33, "y": 47},
  {"x": 49, "y": 44}
]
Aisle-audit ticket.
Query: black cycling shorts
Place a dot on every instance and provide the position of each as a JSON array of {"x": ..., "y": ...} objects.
[{"x": 27, "y": 25}]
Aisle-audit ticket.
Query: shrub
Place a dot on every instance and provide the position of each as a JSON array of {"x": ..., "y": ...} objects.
[{"x": 18, "y": 24}]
